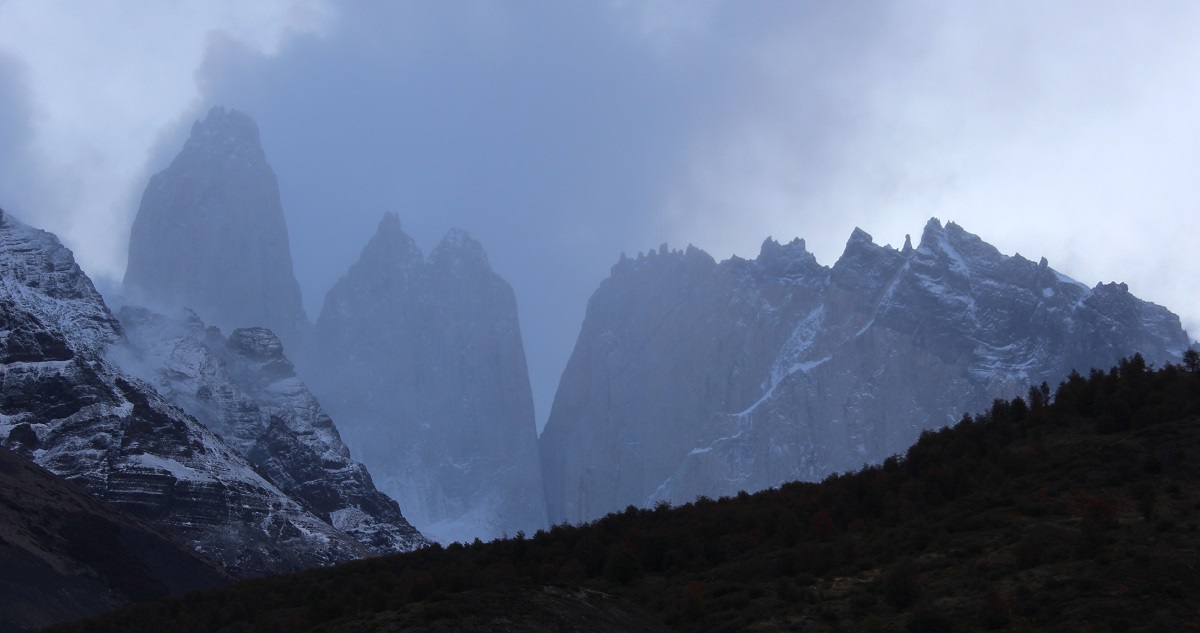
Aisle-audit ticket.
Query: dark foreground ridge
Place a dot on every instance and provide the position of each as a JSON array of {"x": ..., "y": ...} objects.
[
  {"x": 67, "y": 555},
  {"x": 1053, "y": 512}
]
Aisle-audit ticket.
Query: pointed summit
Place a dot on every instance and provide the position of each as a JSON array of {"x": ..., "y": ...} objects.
[
  {"x": 231, "y": 134},
  {"x": 390, "y": 247},
  {"x": 210, "y": 234},
  {"x": 422, "y": 364},
  {"x": 933, "y": 228},
  {"x": 458, "y": 250},
  {"x": 390, "y": 223},
  {"x": 787, "y": 260}
]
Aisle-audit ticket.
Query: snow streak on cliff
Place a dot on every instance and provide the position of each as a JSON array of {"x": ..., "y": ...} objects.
[{"x": 691, "y": 377}]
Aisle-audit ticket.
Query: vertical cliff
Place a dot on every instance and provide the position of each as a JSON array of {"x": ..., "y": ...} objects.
[
  {"x": 691, "y": 377},
  {"x": 422, "y": 364},
  {"x": 210, "y": 234}
]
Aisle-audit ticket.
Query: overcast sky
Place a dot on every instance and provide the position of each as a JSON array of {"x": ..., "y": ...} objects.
[{"x": 562, "y": 134}]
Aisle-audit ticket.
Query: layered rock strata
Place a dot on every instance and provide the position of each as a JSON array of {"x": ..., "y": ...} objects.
[
  {"x": 246, "y": 390},
  {"x": 67, "y": 407}
]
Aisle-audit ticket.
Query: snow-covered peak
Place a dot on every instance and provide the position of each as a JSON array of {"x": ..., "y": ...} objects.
[
  {"x": 40, "y": 274},
  {"x": 932, "y": 229},
  {"x": 956, "y": 251},
  {"x": 88, "y": 420}
]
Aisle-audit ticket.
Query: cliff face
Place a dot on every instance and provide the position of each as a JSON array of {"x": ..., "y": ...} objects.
[
  {"x": 68, "y": 408},
  {"x": 691, "y": 377},
  {"x": 421, "y": 363},
  {"x": 210, "y": 234}
]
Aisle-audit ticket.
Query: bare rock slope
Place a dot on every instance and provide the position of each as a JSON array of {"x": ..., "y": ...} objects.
[
  {"x": 68, "y": 408},
  {"x": 692, "y": 377},
  {"x": 246, "y": 390}
]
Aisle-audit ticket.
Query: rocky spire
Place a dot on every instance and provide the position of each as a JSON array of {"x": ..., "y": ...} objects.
[
  {"x": 210, "y": 234},
  {"x": 422, "y": 364}
]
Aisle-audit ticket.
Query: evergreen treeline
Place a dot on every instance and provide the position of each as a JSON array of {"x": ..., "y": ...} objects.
[{"x": 1069, "y": 510}]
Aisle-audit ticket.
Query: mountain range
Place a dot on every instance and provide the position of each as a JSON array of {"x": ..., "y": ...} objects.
[
  {"x": 208, "y": 411},
  {"x": 692, "y": 377}
]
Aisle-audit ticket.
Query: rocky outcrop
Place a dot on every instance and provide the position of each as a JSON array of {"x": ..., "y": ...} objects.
[
  {"x": 692, "y": 377},
  {"x": 210, "y": 235},
  {"x": 246, "y": 390},
  {"x": 64, "y": 405},
  {"x": 421, "y": 363}
]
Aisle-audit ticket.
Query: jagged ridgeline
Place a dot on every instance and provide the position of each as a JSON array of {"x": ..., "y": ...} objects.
[
  {"x": 689, "y": 377},
  {"x": 422, "y": 365},
  {"x": 692, "y": 377}
]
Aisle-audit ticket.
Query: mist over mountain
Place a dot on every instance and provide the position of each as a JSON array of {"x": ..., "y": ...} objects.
[
  {"x": 246, "y": 390},
  {"x": 692, "y": 378},
  {"x": 73, "y": 411},
  {"x": 420, "y": 361},
  {"x": 210, "y": 246},
  {"x": 210, "y": 235}
]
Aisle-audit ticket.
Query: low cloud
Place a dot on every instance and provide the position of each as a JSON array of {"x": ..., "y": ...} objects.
[
  {"x": 102, "y": 81},
  {"x": 1044, "y": 129},
  {"x": 561, "y": 135}
]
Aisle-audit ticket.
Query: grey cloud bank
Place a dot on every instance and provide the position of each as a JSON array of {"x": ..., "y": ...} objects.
[{"x": 561, "y": 136}]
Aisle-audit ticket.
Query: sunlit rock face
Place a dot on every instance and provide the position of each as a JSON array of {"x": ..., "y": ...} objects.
[
  {"x": 422, "y": 365},
  {"x": 210, "y": 235},
  {"x": 692, "y": 377},
  {"x": 246, "y": 390},
  {"x": 65, "y": 405}
]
